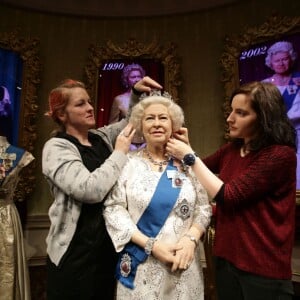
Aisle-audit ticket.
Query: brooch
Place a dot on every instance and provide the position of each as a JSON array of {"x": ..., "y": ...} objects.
[
  {"x": 292, "y": 89},
  {"x": 125, "y": 265},
  {"x": 183, "y": 209}
]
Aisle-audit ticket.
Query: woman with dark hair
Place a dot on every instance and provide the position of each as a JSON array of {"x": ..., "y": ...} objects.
[
  {"x": 255, "y": 194},
  {"x": 81, "y": 164}
]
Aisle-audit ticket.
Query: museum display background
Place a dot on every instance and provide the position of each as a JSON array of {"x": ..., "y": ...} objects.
[{"x": 198, "y": 36}]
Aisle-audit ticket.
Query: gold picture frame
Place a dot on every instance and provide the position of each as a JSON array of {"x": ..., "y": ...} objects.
[
  {"x": 135, "y": 51},
  {"x": 27, "y": 50}
]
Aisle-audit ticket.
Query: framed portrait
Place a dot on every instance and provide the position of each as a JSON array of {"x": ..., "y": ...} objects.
[
  {"x": 113, "y": 69},
  {"x": 253, "y": 61},
  {"x": 19, "y": 71},
  {"x": 114, "y": 85}
]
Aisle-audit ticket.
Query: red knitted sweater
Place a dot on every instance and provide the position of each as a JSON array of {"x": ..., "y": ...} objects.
[{"x": 255, "y": 223}]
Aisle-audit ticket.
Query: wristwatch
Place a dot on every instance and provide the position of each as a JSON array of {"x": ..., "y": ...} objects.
[
  {"x": 192, "y": 238},
  {"x": 149, "y": 245},
  {"x": 189, "y": 159}
]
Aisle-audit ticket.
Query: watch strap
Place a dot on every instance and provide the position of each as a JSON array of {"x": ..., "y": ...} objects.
[{"x": 192, "y": 238}]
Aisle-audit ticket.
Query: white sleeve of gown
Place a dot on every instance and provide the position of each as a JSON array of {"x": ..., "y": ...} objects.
[{"x": 119, "y": 223}]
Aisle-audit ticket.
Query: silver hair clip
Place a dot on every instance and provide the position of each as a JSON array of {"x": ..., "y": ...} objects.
[{"x": 156, "y": 92}]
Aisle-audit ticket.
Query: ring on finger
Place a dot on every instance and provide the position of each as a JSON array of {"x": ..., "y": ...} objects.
[{"x": 124, "y": 134}]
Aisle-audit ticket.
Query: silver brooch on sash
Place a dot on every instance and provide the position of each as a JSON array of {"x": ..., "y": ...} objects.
[
  {"x": 183, "y": 209},
  {"x": 125, "y": 265}
]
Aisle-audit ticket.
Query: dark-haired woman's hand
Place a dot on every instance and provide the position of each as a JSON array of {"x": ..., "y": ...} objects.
[{"x": 182, "y": 134}]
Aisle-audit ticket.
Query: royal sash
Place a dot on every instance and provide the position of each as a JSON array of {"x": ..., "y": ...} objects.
[
  {"x": 291, "y": 90},
  {"x": 150, "y": 223}
]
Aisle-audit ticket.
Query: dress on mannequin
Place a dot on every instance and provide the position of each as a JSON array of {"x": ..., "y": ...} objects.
[{"x": 14, "y": 277}]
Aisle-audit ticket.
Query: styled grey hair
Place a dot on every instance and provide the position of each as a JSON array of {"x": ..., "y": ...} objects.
[
  {"x": 174, "y": 110},
  {"x": 281, "y": 46}
]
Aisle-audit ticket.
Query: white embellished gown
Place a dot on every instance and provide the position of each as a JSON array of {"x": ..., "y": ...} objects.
[{"x": 124, "y": 206}]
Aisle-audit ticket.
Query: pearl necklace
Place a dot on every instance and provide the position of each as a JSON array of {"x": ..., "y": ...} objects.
[{"x": 160, "y": 164}]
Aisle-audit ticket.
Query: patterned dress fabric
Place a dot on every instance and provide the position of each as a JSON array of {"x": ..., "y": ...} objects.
[{"x": 124, "y": 206}]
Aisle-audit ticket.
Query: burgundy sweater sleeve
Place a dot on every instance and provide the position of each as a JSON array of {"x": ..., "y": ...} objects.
[
  {"x": 271, "y": 170},
  {"x": 213, "y": 163}
]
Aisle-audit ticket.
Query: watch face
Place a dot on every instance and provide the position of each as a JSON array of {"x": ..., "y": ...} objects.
[{"x": 189, "y": 159}]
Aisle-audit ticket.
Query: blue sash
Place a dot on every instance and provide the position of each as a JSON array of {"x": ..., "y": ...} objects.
[
  {"x": 290, "y": 92},
  {"x": 150, "y": 223}
]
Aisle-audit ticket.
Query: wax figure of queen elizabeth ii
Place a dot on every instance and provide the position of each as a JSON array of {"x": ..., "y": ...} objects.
[{"x": 157, "y": 212}]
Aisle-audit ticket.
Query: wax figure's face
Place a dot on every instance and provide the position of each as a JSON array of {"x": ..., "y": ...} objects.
[
  {"x": 79, "y": 113},
  {"x": 242, "y": 120},
  {"x": 156, "y": 124},
  {"x": 281, "y": 62},
  {"x": 133, "y": 77}
]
